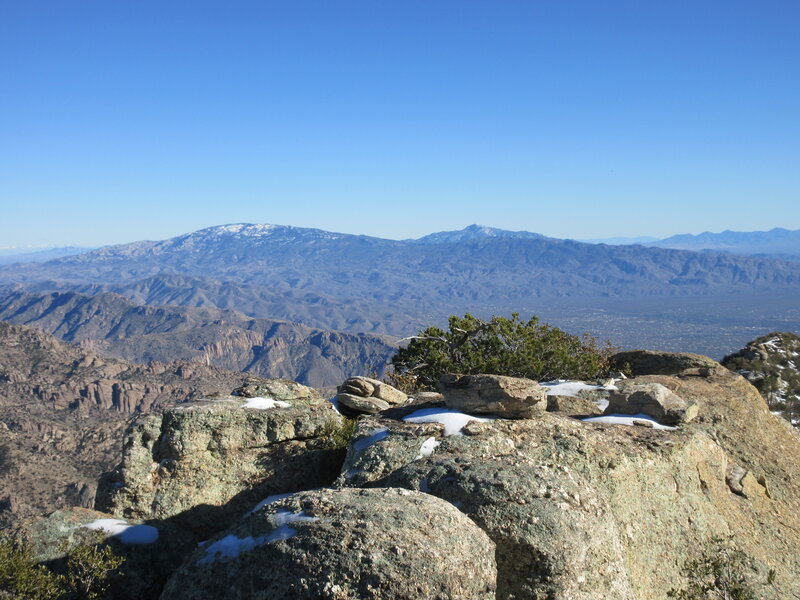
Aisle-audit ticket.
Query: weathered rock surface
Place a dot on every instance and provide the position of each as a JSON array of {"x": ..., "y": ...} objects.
[
  {"x": 586, "y": 511},
  {"x": 63, "y": 411},
  {"x": 362, "y": 405},
  {"x": 364, "y": 395},
  {"x": 343, "y": 544},
  {"x": 652, "y": 399},
  {"x": 653, "y": 362},
  {"x": 508, "y": 397},
  {"x": 572, "y": 405},
  {"x": 151, "y": 551},
  {"x": 206, "y": 462}
]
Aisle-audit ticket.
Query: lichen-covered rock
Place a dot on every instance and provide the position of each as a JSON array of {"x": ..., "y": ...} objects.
[
  {"x": 151, "y": 550},
  {"x": 361, "y": 405},
  {"x": 572, "y": 405},
  {"x": 508, "y": 397},
  {"x": 343, "y": 544},
  {"x": 652, "y": 399},
  {"x": 206, "y": 462},
  {"x": 653, "y": 362},
  {"x": 586, "y": 511},
  {"x": 364, "y": 395}
]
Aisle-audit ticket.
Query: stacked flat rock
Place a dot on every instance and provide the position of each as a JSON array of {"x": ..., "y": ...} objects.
[
  {"x": 368, "y": 396},
  {"x": 507, "y": 397},
  {"x": 652, "y": 399}
]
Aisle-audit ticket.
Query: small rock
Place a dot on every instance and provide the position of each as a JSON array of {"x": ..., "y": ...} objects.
[
  {"x": 652, "y": 399},
  {"x": 389, "y": 394},
  {"x": 509, "y": 397},
  {"x": 643, "y": 423},
  {"x": 357, "y": 386},
  {"x": 367, "y": 406}
]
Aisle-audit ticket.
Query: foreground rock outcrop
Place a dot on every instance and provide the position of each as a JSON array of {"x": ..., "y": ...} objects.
[
  {"x": 343, "y": 544},
  {"x": 63, "y": 413},
  {"x": 589, "y": 511},
  {"x": 206, "y": 462},
  {"x": 432, "y": 502}
]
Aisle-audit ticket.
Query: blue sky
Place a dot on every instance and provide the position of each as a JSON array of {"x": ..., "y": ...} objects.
[{"x": 143, "y": 120}]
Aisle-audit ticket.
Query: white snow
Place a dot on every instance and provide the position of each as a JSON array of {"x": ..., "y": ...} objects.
[
  {"x": 124, "y": 532},
  {"x": 267, "y": 500},
  {"x": 452, "y": 420},
  {"x": 427, "y": 448},
  {"x": 335, "y": 404},
  {"x": 263, "y": 403},
  {"x": 563, "y": 387},
  {"x": 232, "y": 546},
  {"x": 375, "y": 436},
  {"x": 627, "y": 420}
]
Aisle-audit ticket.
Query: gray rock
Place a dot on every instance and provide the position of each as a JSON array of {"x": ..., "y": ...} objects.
[
  {"x": 651, "y": 362},
  {"x": 421, "y": 397},
  {"x": 572, "y": 405},
  {"x": 652, "y": 399},
  {"x": 344, "y": 544},
  {"x": 389, "y": 394},
  {"x": 367, "y": 406},
  {"x": 508, "y": 397},
  {"x": 204, "y": 463}
]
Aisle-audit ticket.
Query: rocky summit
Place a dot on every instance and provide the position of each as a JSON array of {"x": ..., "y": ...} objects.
[{"x": 608, "y": 493}]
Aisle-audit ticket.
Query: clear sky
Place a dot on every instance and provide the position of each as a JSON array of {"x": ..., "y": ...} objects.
[{"x": 123, "y": 120}]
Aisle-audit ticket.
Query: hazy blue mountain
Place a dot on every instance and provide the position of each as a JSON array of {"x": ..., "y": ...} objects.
[
  {"x": 778, "y": 242},
  {"x": 474, "y": 232},
  {"x": 8, "y": 257},
  {"x": 360, "y": 283},
  {"x": 621, "y": 241}
]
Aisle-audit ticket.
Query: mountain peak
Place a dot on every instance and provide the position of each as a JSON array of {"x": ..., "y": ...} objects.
[{"x": 474, "y": 232}]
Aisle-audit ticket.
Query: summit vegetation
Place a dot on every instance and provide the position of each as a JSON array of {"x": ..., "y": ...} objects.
[{"x": 501, "y": 346}]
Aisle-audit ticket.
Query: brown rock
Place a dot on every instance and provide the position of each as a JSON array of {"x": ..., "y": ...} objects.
[
  {"x": 652, "y": 399},
  {"x": 367, "y": 406},
  {"x": 509, "y": 397}
]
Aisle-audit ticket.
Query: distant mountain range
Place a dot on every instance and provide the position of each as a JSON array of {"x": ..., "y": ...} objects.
[
  {"x": 353, "y": 283},
  {"x": 8, "y": 257},
  {"x": 775, "y": 243}
]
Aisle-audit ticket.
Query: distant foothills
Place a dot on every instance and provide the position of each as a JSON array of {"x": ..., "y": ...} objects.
[{"x": 291, "y": 301}]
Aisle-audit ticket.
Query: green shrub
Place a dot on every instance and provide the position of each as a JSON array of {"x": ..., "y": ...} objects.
[
  {"x": 719, "y": 572},
  {"x": 87, "y": 576},
  {"x": 500, "y": 346},
  {"x": 21, "y": 577}
]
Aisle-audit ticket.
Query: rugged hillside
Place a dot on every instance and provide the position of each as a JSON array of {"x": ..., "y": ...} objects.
[
  {"x": 636, "y": 296},
  {"x": 772, "y": 364},
  {"x": 63, "y": 411},
  {"x": 111, "y": 325},
  {"x": 532, "y": 504}
]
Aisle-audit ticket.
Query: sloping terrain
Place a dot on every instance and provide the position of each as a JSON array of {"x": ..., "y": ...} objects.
[
  {"x": 772, "y": 364},
  {"x": 63, "y": 411},
  {"x": 111, "y": 325}
]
